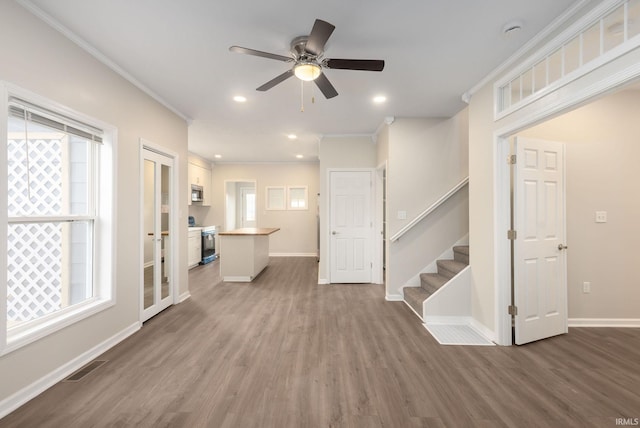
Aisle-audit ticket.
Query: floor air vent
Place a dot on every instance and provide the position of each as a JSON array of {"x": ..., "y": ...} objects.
[{"x": 80, "y": 374}]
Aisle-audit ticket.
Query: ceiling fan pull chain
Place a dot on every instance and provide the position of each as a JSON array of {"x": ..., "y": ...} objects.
[
  {"x": 302, "y": 96},
  {"x": 313, "y": 94}
]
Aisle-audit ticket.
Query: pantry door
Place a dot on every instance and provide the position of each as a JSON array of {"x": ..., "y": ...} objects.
[
  {"x": 351, "y": 226},
  {"x": 157, "y": 291}
]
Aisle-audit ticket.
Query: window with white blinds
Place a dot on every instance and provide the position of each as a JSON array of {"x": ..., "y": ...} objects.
[{"x": 53, "y": 191}]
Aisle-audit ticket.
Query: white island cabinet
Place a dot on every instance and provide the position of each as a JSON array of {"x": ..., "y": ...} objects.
[{"x": 245, "y": 253}]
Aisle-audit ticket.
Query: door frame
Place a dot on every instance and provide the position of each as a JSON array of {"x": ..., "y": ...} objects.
[
  {"x": 375, "y": 256},
  {"x": 173, "y": 221},
  {"x": 380, "y": 239},
  {"x": 540, "y": 112}
]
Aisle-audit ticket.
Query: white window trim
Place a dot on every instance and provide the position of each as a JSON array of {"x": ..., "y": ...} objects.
[
  {"x": 306, "y": 198},
  {"x": 269, "y": 204},
  {"x": 104, "y": 246}
]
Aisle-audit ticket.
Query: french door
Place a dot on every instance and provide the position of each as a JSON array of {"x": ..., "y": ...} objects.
[{"x": 157, "y": 291}]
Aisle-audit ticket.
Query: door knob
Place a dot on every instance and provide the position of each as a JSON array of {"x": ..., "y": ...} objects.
[
  {"x": 334, "y": 233},
  {"x": 562, "y": 247}
]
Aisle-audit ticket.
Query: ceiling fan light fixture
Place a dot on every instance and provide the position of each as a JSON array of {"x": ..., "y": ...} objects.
[{"x": 307, "y": 71}]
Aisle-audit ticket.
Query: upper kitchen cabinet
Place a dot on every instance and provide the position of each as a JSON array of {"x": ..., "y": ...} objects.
[{"x": 199, "y": 178}]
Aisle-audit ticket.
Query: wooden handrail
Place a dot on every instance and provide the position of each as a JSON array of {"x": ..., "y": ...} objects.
[{"x": 429, "y": 210}]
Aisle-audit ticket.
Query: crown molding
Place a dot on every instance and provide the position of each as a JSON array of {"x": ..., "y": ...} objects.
[
  {"x": 537, "y": 39},
  {"x": 83, "y": 44}
]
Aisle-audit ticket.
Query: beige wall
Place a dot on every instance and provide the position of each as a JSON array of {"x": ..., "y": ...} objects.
[
  {"x": 601, "y": 159},
  {"x": 339, "y": 152},
  {"x": 426, "y": 158},
  {"x": 382, "y": 144},
  {"x": 39, "y": 59},
  {"x": 298, "y": 228}
]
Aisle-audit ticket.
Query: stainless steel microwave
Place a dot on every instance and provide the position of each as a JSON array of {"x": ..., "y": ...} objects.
[{"x": 196, "y": 193}]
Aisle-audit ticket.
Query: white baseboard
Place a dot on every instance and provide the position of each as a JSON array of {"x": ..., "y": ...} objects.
[
  {"x": 293, "y": 255},
  {"x": 323, "y": 281},
  {"x": 394, "y": 298},
  {"x": 237, "y": 278},
  {"x": 483, "y": 329},
  {"x": 16, "y": 400},
  {"x": 184, "y": 296},
  {"x": 604, "y": 322},
  {"x": 447, "y": 320}
]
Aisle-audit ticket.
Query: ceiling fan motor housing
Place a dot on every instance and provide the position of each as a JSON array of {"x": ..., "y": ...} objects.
[{"x": 298, "y": 47}]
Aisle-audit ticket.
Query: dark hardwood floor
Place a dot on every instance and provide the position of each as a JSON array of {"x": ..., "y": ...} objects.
[{"x": 285, "y": 352}]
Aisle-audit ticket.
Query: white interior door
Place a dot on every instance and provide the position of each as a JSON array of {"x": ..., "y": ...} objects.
[
  {"x": 351, "y": 226},
  {"x": 540, "y": 289},
  {"x": 157, "y": 289}
]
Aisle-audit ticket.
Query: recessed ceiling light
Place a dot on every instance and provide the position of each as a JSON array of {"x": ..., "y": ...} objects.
[
  {"x": 217, "y": 156},
  {"x": 379, "y": 99},
  {"x": 299, "y": 156},
  {"x": 239, "y": 99},
  {"x": 292, "y": 136}
]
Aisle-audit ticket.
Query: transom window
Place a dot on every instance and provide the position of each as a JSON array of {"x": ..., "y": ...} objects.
[{"x": 581, "y": 49}]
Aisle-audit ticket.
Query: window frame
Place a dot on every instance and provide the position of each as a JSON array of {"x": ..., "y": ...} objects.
[
  {"x": 276, "y": 198},
  {"x": 102, "y": 242},
  {"x": 290, "y": 190}
]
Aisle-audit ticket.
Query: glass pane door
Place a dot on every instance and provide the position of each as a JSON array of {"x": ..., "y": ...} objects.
[{"x": 157, "y": 292}]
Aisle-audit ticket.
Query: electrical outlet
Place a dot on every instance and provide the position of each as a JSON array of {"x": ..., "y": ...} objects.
[
  {"x": 586, "y": 287},
  {"x": 402, "y": 215},
  {"x": 601, "y": 216}
]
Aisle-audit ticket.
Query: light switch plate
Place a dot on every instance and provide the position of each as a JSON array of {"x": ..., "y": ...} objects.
[
  {"x": 601, "y": 216},
  {"x": 402, "y": 215}
]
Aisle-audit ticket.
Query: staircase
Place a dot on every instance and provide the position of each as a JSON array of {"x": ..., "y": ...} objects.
[{"x": 432, "y": 282}]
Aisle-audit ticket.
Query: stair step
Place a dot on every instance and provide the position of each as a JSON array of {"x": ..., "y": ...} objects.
[
  {"x": 450, "y": 268},
  {"x": 431, "y": 282},
  {"x": 414, "y": 296},
  {"x": 461, "y": 253}
]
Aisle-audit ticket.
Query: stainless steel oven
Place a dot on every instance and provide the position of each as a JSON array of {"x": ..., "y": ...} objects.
[{"x": 208, "y": 244}]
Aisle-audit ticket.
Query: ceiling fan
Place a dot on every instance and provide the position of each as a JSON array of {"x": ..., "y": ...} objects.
[{"x": 308, "y": 60}]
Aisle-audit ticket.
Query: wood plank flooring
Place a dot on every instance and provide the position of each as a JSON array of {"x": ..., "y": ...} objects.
[{"x": 285, "y": 352}]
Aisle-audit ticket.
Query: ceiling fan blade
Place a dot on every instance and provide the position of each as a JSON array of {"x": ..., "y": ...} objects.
[
  {"x": 325, "y": 86},
  {"x": 273, "y": 82},
  {"x": 318, "y": 38},
  {"x": 254, "y": 52},
  {"x": 355, "y": 64}
]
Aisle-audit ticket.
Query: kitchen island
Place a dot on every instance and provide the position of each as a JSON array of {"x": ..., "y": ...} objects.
[{"x": 244, "y": 253}]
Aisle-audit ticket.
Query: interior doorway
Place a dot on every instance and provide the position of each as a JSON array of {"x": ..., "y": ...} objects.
[
  {"x": 241, "y": 208},
  {"x": 601, "y": 142}
]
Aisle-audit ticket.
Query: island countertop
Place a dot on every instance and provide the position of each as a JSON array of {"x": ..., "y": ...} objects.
[{"x": 250, "y": 231}]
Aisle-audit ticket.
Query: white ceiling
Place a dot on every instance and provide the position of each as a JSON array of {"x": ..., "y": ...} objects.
[{"x": 178, "y": 50}]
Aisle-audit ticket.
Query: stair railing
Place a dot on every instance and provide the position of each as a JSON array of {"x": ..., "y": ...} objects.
[{"x": 429, "y": 210}]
